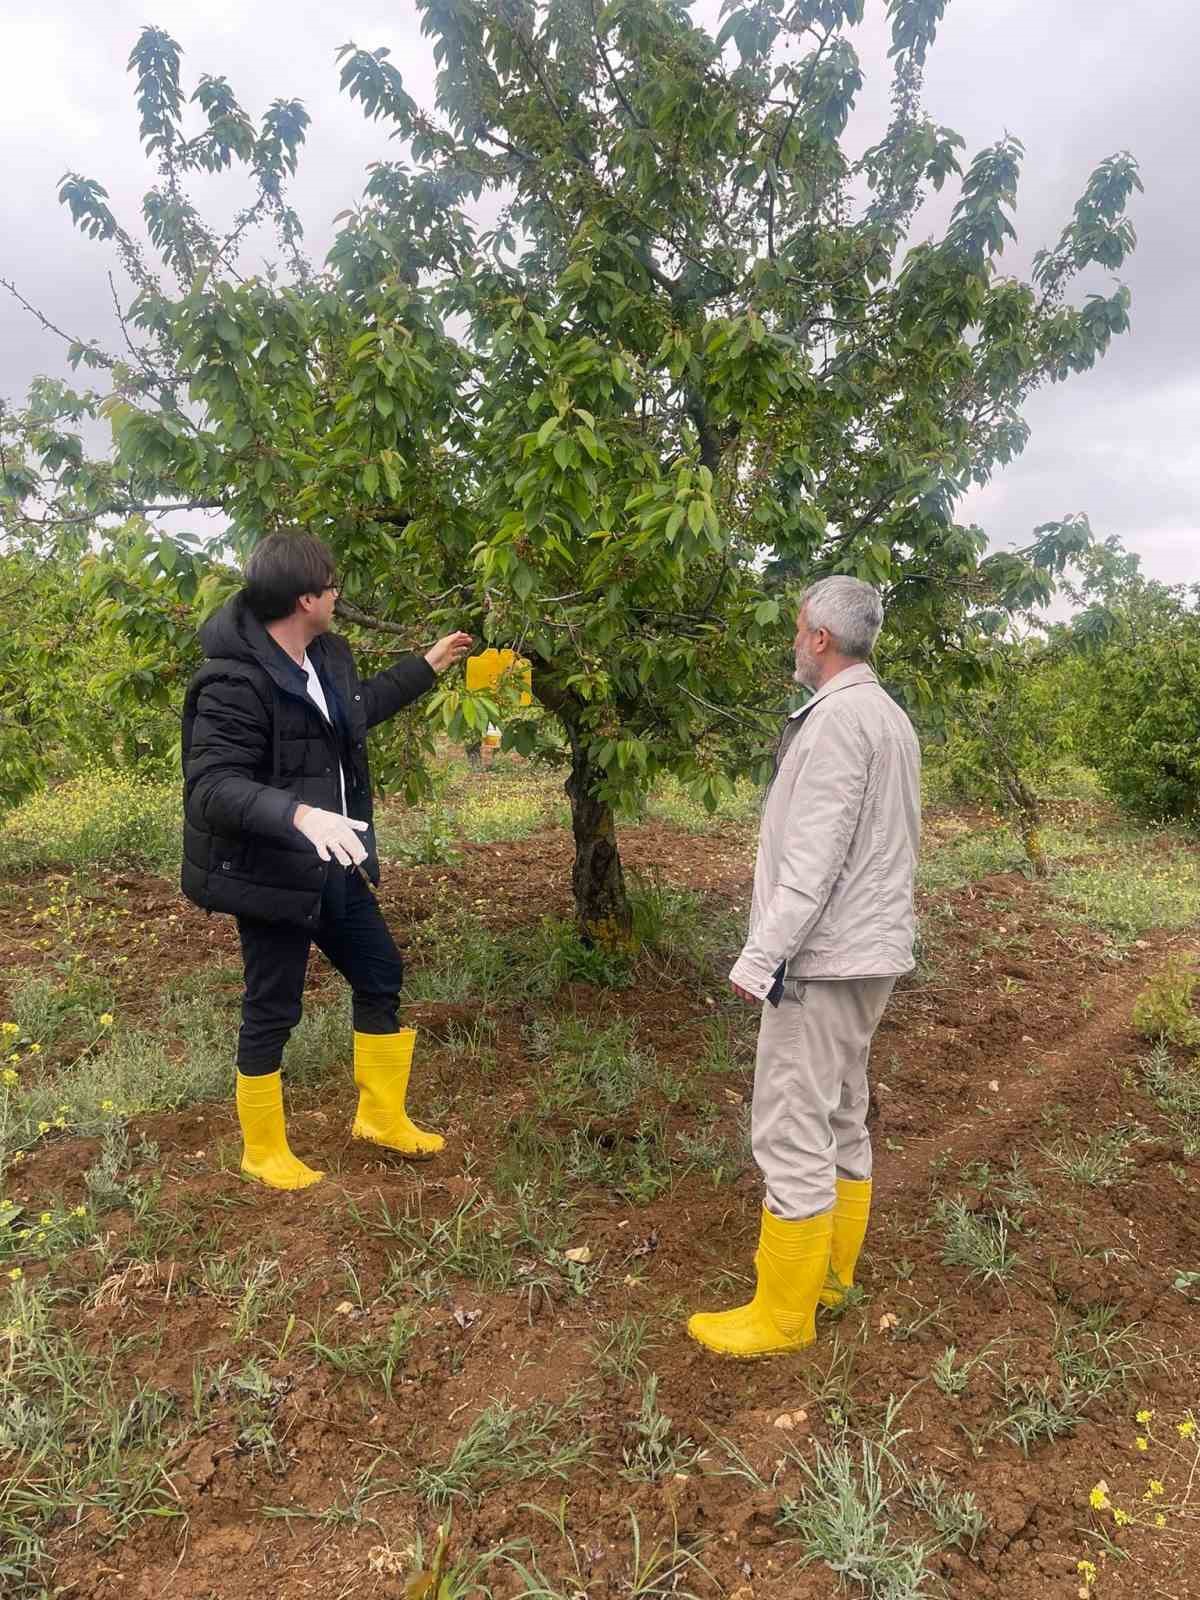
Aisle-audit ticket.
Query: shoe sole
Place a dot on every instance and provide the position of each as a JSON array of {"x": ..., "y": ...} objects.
[{"x": 409, "y": 1155}]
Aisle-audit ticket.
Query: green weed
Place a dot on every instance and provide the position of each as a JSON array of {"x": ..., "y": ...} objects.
[
  {"x": 617, "y": 1347},
  {"x": 657, "y": 1450},
  {"x": 948, "y": 1374},
  {"x": 1164, "y": 1009},
  {"x": 844, "y": 1518},
  {"x": 379, "y": 1356},
  {"x": 505, "y": 1444},
  {"x": 1098, "y": 1161},
  {"x": 967, "y": 857},
  {"x": 590, "y": 1068},
  {"x": 955, "y": 1515},
  {"x": 1175, "y": 1090},
  {"x": 1038, "y": 1411},
  {"x": 77, "y": 1438},
  {"x": 978, "y": 1240}
]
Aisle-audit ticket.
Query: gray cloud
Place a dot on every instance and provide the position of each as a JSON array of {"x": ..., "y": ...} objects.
[{"x": 1074, "y": 80}]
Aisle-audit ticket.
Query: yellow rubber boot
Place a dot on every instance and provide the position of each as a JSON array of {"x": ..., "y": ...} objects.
[
  {"x": 792, "y": 1261},
  {"x": 850, "y": 1215},
  {"x": 382, "y": 1064},
  {"x": 266, "y": 1154}
]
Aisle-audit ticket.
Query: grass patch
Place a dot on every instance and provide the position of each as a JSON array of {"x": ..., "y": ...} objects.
[
  {"x": 504, "y": 1445},
  {"x": 658, "y": 1450},
  {"x": 98, "y": 818},
  {"x": 511, "y": 813},
  {"x": 978, "y": 1240},
  {"x": 378, "y": 1357},
  {"x": 634, "y": 1164},
  {"x": 1098, "y": 1161},
  {"x": 967, "y": 857},
  {"x": 593, "y": 1069},
  {"x": 75, "y": 1439},
  {"x": 845, "y": 1518},
  {"x": 1164, "y": 1009},
  {"x": 1175, "y": 1089},
  {"x": 671, "y": 802},
  {"x": 1134, "y": 891}
]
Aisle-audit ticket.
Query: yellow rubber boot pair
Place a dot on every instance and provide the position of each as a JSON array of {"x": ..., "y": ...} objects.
[
  {"x": 792, "y": 1263},
  {"x": 850, "y": 1214},
  {"x": 382, "y": 1067}
]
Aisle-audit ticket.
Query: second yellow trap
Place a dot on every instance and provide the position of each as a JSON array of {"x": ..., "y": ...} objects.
[{"x": 485, "y": 671}]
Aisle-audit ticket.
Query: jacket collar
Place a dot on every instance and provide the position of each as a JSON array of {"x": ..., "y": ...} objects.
[
  {"x": 235, "y": 633},
  {"x": 848, "y": 678}
]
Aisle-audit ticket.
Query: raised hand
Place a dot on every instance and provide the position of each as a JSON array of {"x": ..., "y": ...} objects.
[{"x": 448, "y": 652}]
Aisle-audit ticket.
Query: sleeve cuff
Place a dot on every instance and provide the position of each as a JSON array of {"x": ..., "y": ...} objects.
[{"x": 749, "y": 975}]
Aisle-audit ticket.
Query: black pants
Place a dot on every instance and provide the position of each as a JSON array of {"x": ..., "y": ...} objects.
[{"x": 355, "y": 938}]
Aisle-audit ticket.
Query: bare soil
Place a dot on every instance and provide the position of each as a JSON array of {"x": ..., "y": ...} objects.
[{"x": 1014, "y": 1034}]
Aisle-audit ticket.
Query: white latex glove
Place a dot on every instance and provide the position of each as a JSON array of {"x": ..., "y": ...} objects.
[{"x": 332, "y": 835}]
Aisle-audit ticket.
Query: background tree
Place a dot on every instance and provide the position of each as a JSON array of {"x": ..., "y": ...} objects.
[
  {"x": 1133, "y": 655},
  {"x": 694, "y": 342}
]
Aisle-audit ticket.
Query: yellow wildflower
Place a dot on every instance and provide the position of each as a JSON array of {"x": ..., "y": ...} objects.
[
  {"x": 1185, "y": 1430},
  {"x": 79, "y": 1211},
  {"x": 1154, "y": 1488},
  {"x": 43, "y": 1127},
  {"x": 8, "y": 1029},
  {"x": 1142, "y": 1443},
  {"x": 1086, "y": 1570},
  {"x": 35, "y": 1049},
  {"x": 1120, "y": 1517},
  {"x": 9, "y": 1076},
  {"x": 1099, "y": 1496},
  {"x": 17, "y": 1155},
  {"x": 1144, "y": 1415},
  {"x": 1160, "y": 1520},
  {"x": 60, "y": 1122},
  {"x": 106, "y": 1018},
  {"x": 106, "y": 1105},
  {"x": 14, "y": 1273},
  {"x": 45, "y": 1217}
]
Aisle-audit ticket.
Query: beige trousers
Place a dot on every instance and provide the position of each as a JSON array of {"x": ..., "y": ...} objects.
[{"x": 809, "y": 1115}]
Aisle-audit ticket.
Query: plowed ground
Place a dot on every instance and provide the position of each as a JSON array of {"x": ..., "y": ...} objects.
[{"x": 1012, "y": 1041}]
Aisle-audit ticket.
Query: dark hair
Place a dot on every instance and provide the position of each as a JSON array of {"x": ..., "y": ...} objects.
[{"x": 282, "y": 567}]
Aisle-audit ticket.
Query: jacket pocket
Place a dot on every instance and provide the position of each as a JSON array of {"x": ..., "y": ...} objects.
[{"x": 230, "y": 856}]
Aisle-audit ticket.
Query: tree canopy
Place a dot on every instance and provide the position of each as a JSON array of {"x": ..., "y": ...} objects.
[{"x": 697, "y": 351}]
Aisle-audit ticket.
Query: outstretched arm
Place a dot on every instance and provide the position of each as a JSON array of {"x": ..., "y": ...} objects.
[{"x": 390, "y": 691}]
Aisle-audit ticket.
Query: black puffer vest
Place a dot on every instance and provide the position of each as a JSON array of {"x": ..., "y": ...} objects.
[{"x": 255, "y": 747}]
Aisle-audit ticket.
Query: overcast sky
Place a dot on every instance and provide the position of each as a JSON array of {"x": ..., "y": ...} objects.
[{"x": 1075, "y": 80}]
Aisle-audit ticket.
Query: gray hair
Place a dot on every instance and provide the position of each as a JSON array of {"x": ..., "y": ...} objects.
[{"x": 849, "y": 610}]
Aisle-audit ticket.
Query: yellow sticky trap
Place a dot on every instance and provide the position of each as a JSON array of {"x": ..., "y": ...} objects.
[{"x": 485, "y": 671}]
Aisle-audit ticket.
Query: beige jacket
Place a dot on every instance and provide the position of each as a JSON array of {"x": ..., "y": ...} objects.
[{"x": 837, "y": 846}]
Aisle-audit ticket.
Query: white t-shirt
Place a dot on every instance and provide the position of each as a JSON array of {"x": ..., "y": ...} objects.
[{"x": 317, "y": 695}]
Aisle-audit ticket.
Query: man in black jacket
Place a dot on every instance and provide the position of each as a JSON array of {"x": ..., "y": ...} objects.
[{"x": 278, "y": 829}]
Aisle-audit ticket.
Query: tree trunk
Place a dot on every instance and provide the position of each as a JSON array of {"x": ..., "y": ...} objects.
[
  {"x": 602, "y": 910},
  {"x": 1029, "y": 821},
  {"x": 602, "y": 907}
]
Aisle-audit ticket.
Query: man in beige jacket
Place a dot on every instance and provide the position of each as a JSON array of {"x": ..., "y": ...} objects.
[{"x": 831, "y": 928}]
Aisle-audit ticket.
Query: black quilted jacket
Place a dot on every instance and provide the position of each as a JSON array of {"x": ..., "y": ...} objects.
[{"x": 255, "y": 747}]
